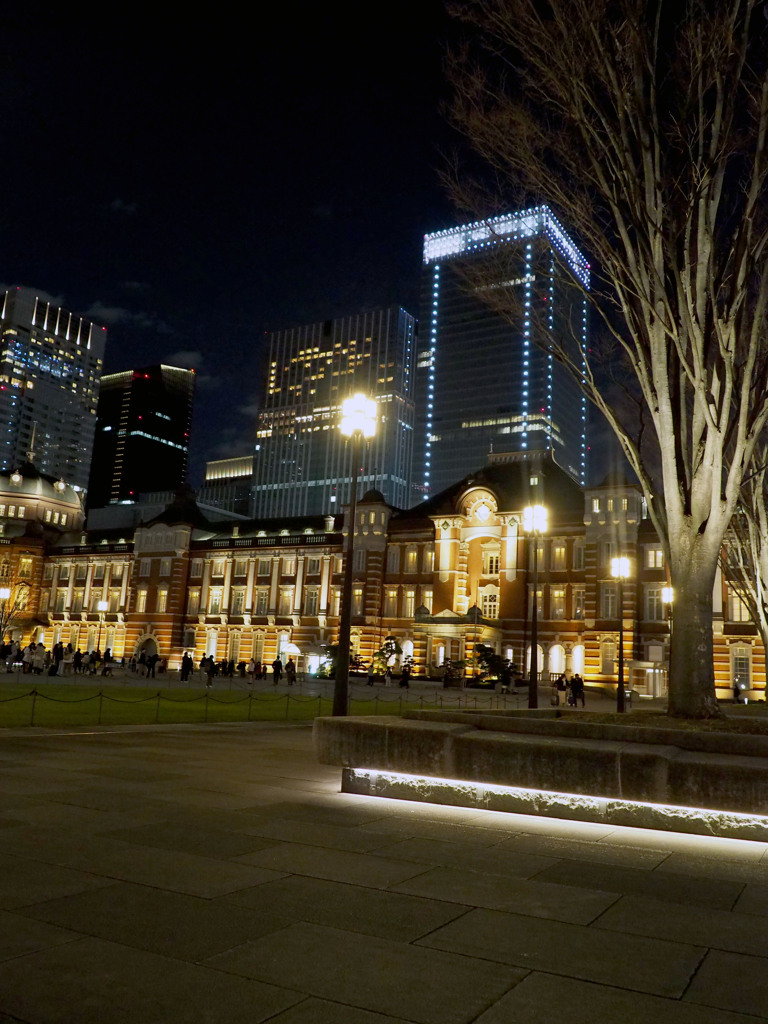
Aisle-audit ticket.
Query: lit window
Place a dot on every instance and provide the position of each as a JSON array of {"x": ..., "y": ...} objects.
[
  {"x": 608, "y": 601},
  {"x": 426, "y": 599},
  {"x": 196, "y": 567},
  {"x": 141, "y": 600},
  {"x": 491, "y": 561},
  {"x": 557, "y": 603},
  {"x": 654, "y": 558},
  {"x": 578, "y": 602},
  {"x": 558, "y": 554},
  {"x": 162, "y": 600},
  {"x": 214, "y": 601},
  {"x": 357, "y": 601},
  {"x": 490, "y": 606},
  {"x": 737, "y": 609}
]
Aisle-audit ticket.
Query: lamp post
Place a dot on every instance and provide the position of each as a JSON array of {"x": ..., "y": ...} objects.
[
  {"x": 358, "y": 422},
  {"x": 534, "y": 524},
  {"x": 102, "y": 607},
  {"x": 620, "y": 572}
]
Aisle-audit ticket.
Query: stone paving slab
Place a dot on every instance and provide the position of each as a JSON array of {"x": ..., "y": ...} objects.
[
  {"x": 422, "y": 985},
  {"x": 310, "y": 833},
  {"x": 717, "y": 929},
  {"x": 168, "y": 923},
  {"x": 22, "y": 882},
  {"x": 425, "y": 828},
  {"x": 753, "y": 900},
  {"x": 732, "y": 981},
  {"x": 388, "y": 915},
  {"x": 107, "y": 858},
  {"x": 320, "y": 1011},
  {"x": 19, "y": 936},
  {"x": 460, "y": 854},
  {"x": 93, "y": 982},
  {"x": 541, "y": 998},
  {"x": 335, "y": 865},
  {"x": 497, "y": 892},
  {"x": 186, "y": 838},
  {"x": 647, "y": 965},
  {"x": 718, "y": 893},
  {"x": 559, "y": 846}
]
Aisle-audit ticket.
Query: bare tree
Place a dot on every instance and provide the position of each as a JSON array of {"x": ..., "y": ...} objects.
[
  {"x": 643, "y": 124},
  {"x": 744, "y": 557},
  {"x": 14, "y": 598}
]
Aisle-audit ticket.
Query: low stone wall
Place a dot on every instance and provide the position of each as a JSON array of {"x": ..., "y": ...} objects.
[{"x": 620, "y": 769}]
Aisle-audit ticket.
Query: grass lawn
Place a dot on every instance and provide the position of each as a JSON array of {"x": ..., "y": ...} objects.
[{"x": 68, "y": 704}]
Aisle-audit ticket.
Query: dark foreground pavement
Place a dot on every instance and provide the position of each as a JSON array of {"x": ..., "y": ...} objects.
[{"x": 215, "y": 874}]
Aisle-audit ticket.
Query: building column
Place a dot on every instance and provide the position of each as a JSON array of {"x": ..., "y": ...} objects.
[{"x": 249, "y": 586}]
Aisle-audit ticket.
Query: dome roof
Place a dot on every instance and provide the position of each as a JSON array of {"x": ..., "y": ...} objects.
[
  {"x": 372, "y": 496},
  {"x": 28, "y": 481}
]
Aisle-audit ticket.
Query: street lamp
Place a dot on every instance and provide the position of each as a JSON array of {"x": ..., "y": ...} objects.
[
  {"x": 358, "y": 422},
  {"x": 534, "y": 524},
  {"x": 102, "y": 607},
  {"x": 620, "y": 572}
]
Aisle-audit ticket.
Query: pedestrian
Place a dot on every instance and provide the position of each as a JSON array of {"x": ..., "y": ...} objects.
[
  {"x": 290, "y": 671},
  {"x": 405, "y": 677},
  {"x": 251, "y": 671},
  {"x": 388, "y": 680},
  {"x": 577, "y": 690},
  {"x": 277, "y": 670},
  {"x": 370, "y": 674}
]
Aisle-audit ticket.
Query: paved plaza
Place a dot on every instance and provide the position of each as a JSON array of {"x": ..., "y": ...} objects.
[{"x": 216, "y": 874}]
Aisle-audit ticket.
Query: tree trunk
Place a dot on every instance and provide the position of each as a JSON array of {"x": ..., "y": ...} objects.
[{"x": 691, "y": 670}]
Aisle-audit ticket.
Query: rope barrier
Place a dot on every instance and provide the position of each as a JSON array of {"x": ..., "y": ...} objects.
[{"x": 319, "y": 703}]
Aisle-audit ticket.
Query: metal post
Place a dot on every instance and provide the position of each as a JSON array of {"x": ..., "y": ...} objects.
[
  {"x": 341, "y": 681},
  {"x": 533, "y": 683},
  {"x": 620, "y": 691}
]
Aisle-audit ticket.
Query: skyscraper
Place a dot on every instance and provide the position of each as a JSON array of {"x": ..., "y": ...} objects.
[
  {"x": 49, "y": 385},
  {"x": 142, "y": 433},
  {"x": 302, "y": 463},
  {"x": 483, "y": 384}
]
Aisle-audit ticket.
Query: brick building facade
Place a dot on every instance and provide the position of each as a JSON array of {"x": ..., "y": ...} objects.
[{"x": 442, "y": 577}]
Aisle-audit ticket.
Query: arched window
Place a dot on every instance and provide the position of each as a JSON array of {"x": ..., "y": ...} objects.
[
  {"x": 539, "y": 659},
  {"x": 557, "y": 659},
  {"x": 211, "y": 640},
  {"x": 577, "y": 659},
  {"x": 608, "y": 657}
]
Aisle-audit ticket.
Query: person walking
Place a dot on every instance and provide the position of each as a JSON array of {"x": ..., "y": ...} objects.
[
  {"x": 290, "y": 671},
  {"x": 277, "y": 670},
  {"x": 577, "y": 690}
]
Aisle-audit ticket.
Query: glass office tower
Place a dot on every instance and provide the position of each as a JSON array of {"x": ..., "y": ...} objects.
[
  {"x": 492, "y": 292},
  {"x": 142, "y": 436},
  {"x": 49, "y": 386},
  {"x": 301, "y": 464}
]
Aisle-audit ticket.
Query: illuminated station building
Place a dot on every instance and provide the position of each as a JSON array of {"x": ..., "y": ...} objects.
[
  {"x": 301, "y": 462},
  {"x": 49, "y": 386},
  {"x": 490, "y": 290},
  {"x": 441, "y": 577},
  {"x": 142, "y": 433}
]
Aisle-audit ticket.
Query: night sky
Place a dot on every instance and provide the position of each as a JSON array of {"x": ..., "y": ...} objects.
[{"x": 194, "y": 180}]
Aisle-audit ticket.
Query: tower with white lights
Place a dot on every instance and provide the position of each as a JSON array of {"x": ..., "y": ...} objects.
[
  {"x": 49, "y": 386},
  {"x": 491, "y": 293}
]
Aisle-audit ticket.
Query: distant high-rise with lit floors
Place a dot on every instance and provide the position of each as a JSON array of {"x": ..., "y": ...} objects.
[
  {"x": 483, "y": 384},
  {"x": 49, "y": 385},
  {"x": 142, "y": 433},
  {"x": 302, "y": 462}
]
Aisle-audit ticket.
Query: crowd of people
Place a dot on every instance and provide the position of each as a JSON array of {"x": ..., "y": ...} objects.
[{"x": 60, "y": 660}]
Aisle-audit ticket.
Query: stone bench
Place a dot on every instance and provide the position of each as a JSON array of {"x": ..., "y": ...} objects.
[{"x": 545, "y": 762}]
